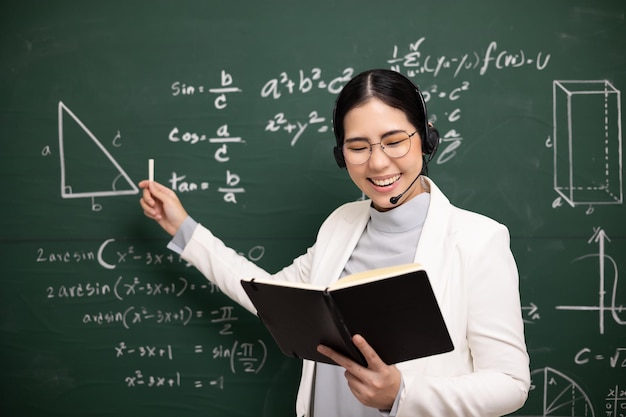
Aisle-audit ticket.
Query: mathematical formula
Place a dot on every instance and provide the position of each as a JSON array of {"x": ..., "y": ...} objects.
[
  {"x": 240, "y": 356},
  {"x": 109, "y": 255},
  {"x": 128, "y": 287},
  {"x": 416, "y": 61}
]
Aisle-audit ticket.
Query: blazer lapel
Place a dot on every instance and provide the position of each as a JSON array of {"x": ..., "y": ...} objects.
[
  {"x": 432, "y": 246},
  {"x": 336, "y": 244}
]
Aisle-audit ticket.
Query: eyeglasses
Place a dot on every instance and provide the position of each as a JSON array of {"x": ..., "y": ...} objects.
[{"x": 394, "y": 145}]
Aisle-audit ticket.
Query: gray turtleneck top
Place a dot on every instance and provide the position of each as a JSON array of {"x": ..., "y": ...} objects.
[{"x": 390, "y": 238}]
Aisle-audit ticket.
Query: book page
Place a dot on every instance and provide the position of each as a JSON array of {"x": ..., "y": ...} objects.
[
  {"x": 290, "y": 284},
  {"x": 348, "y": 281},
  {"x": 374, "y": 274}
]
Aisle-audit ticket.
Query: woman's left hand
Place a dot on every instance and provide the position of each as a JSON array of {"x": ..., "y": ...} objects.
[{"x": 375, "y": 386}]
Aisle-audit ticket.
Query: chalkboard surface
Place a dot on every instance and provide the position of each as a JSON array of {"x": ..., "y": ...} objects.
[{"x": 233, "y": 101}]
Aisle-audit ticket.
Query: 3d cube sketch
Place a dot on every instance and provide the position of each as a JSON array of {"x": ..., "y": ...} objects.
[{"x": 587, "y": 142}]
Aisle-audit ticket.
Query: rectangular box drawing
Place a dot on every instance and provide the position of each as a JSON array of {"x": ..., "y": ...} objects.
[{"x": 587, "y": 142}]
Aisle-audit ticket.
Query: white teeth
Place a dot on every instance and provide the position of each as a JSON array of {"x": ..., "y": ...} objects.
[{"x": 388, "y": 181}]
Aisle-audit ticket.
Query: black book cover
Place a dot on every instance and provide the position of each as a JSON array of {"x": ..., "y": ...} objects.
[{"x": 397, "y": 315}]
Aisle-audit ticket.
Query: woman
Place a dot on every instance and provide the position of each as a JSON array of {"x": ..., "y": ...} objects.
[{"x": 383, "y": 139}]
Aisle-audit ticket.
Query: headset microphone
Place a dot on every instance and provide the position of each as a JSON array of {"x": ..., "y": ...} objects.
[{"x": 394, "y": 200}]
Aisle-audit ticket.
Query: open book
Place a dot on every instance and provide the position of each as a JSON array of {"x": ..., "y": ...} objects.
[{"x": 393, "y": 308}]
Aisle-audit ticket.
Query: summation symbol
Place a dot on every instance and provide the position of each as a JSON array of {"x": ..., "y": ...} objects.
[{"x": 88, "y": 171}]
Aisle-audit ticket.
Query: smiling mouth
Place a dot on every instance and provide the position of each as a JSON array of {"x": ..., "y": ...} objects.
[{"x": 386, "y": 182}]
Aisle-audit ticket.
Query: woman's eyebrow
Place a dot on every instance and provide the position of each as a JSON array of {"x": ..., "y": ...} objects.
[
  {"x": 393, "y": 132},
  {"x": 389, "y": 133},
  {"x": 356, "y": 139}
]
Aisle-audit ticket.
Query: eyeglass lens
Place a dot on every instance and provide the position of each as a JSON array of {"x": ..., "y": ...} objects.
[{"x": 395, "y": 145}]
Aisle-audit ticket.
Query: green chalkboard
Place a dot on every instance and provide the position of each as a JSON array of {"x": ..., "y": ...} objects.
[{"x": 233, "y": 101}]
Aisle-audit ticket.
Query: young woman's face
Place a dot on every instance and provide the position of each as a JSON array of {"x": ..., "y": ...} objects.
[{"x": 382, "y": 176}]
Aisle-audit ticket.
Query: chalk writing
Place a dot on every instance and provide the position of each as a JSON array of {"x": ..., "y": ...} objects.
[
  {"x": 435, "y": 91},
  {"x": 180, "y": 184},
  {"x": 616, "y": 359},
  {"x": 615, "y": 405},
  {"x": 600, "y": 237},
  {"x": 530, "y": 313},
  {"x": 133, "y": 316},
  {"x": 64, "y": 256},
  {"x": 137, "y": 379},
  {"x": 225, "y": 87},
  {"x": 146, "y": 351},
  {"x": 249, "y": 356},
  {"x": 305, "y": 83},
  {"x": 193, "y": 138},
  {"x": 416, "y": 61},
  {"x": 78, "y": 290},
  {"x": 71, "y": 187},
  {"x": 450, "y": 140},
  {"x": 280, "y": 122},
  {"x": 222, "y": 138},
  {"x": 449, "y": 144},
  {"x": 124, "y": 288},
  {"x": 560, "y": 395},
  {"x": 600, "y": 100},
  {"x": 241, "y": 356},
  {"x": 230, "y": 191},
  {"x": 109, "y": 254},
  {"x": 224, "y": 315},
  {"x": 218, "y": 383},
  {"x": 105, "y": 260}
]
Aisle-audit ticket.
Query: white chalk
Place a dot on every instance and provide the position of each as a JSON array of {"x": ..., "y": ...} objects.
[{"x": 150, "y": 170}]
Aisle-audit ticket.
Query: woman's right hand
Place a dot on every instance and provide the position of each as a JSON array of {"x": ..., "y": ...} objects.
[{"x": 162, "y": 205}]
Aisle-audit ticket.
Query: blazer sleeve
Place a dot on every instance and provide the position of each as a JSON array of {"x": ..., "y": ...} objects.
[
  {"x": 323, "y": 261},
  {"x": 225, "y": 267}
]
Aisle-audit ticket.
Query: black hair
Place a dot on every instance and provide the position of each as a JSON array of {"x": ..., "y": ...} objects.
[{"x": 390, "y": 87}]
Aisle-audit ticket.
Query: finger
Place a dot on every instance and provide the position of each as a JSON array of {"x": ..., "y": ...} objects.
[
  {"x": 153, "y": 192},
  {"x": 161, "y": 192},
  {"x": 370, "y": 355},
  {"x": 149, "y": 211},
  {"x": 147, "y": 197},
  {"x": 335, "y": 356},
  {"x": 151, "y": 206},
  {"x": 144, "y": 205}
]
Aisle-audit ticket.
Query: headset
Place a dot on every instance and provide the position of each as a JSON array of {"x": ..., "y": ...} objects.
[{"x": 430, "y": 135}]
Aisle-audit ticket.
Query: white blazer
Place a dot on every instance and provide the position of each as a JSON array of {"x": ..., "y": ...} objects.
[{"x": 474, "y": 277}]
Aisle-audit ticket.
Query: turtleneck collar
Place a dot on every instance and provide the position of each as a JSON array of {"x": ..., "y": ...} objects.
[{"x": 409, "y": 215}]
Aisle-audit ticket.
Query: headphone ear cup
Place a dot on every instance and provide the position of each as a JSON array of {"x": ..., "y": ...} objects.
[
  {"x": 339, "y": 157},
  {"x": 434, "y": 138},
  {"x": 433, "y": 141}
]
